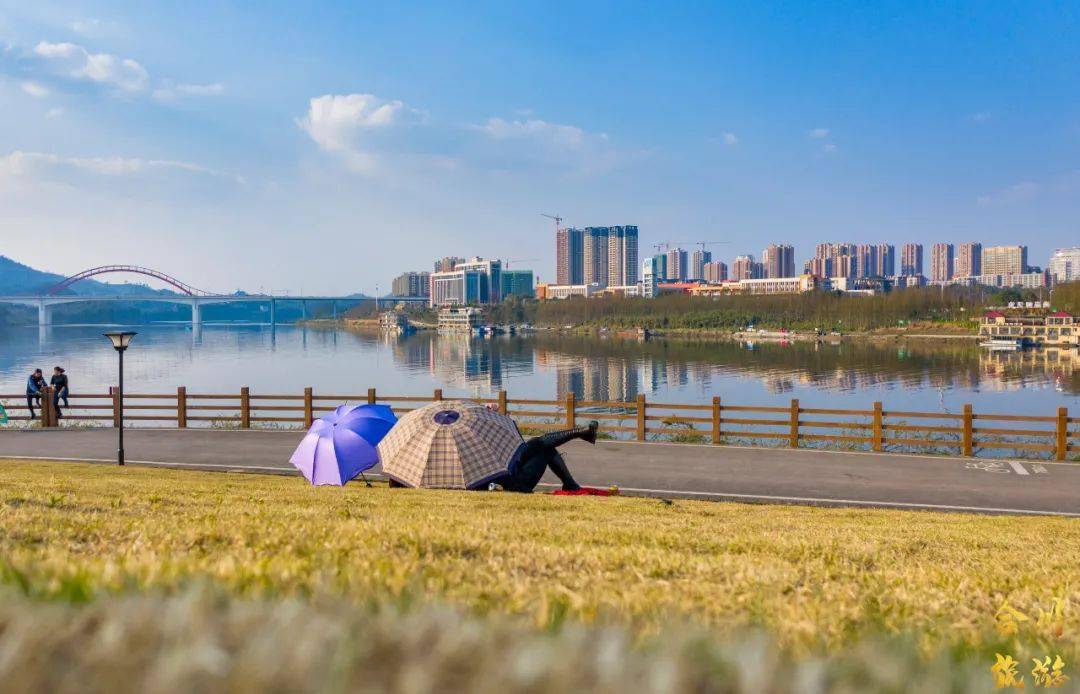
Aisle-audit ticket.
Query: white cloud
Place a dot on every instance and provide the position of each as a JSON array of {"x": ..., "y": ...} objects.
[
  {"x": 86, "y": 27},
  {"x": 818, "y": 133},
  {"x": 568, "y": 136},
  {"x": 730, "y": 139},
  {"x": 828, "y": 148},
  {"x": 343, "y": 123},
  {"x": 54, "y": 112},
  {"x": 38, "y": 91},
  {"x": 981, "y": 117},
  {"x": 170, "y": 90},
  {"x": 1016, "y": 193},
  {"x": 521, "y": 143},
  {"x": 102, "y": 68},
  {"x": 23, "y": 165}
]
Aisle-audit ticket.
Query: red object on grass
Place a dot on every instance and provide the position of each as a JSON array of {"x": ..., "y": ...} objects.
[{"x": 584, "y": 491}]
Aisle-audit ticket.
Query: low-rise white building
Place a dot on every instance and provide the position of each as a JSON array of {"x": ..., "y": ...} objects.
[{"x": 565, "y": 291}]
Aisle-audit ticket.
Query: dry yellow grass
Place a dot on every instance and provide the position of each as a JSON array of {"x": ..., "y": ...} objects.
[{"x": 815, "y": 578}]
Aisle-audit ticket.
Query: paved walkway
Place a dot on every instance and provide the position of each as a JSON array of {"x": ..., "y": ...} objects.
[{"x": 654, "y": 469}]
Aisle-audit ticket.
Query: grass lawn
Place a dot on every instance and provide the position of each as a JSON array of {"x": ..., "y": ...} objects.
[{"x": 814, "y": 580}]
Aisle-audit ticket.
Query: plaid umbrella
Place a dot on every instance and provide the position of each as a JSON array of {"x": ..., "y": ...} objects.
[{"x": 449, "y": 445}]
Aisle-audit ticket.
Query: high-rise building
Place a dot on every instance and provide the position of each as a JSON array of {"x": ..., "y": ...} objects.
[
  {"x": 1004, "y": 260},
  {"x": 886, "y": 260},
  {"x": 968, "y": 261},
  {"x": 459, "y": 287},
  {"x": 821, "y": 268},
  {"x": 838, "y": 259},
  {"x": 676, "y": 265},
  {"x": 622, "y": 262},
  {"x": 778, "y": 260},
  {"x": 866, "y": 260},
  {"x": 698, "y": 260},
  {"x": 448, "y": 263},
  {"x": 714, "y": 272},
  {"x": 569, "y": 256},
  {"x": 941, "y": 262},
  {"x": 651, "y": 275},
  {"x": 595, "y": 256},
  {"x": 746, "y": 268},
  {"x": 492, "y": 273},
  {"x": 517, "y": 283},
  {"x": 911, "y": 260},
  {"x": 1064, "y": 265},
  {"x": 411, "y": 284}
]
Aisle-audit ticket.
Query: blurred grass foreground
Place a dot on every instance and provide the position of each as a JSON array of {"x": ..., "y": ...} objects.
[{"x": 142, "y": 579}]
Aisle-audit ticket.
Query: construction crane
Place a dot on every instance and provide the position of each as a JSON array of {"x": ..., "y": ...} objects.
[
  {"x": 520, "y": 260},
  {"x": 557, "y": 218}
]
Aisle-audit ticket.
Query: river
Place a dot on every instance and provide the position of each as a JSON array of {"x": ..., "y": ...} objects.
[{"x": 926, "y": 376}]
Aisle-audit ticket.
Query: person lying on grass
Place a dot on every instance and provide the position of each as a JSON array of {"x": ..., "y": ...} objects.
[
  {"x": 539, "y": 454},
  {"x": 534, "y": 457}
]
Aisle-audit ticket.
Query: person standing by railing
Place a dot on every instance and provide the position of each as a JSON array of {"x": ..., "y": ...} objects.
[
  {"x": 34, "y": 385},
  {"x": 59, "y": 383}
]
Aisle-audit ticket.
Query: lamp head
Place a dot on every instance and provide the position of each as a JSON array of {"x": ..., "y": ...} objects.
[{"x": 120, "y": 339}]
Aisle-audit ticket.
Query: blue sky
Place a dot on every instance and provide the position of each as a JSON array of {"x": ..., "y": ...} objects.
[{"x": 329, "y": 147}]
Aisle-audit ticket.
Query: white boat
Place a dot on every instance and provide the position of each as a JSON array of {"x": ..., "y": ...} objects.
[{"x": 1002, "y": 345}]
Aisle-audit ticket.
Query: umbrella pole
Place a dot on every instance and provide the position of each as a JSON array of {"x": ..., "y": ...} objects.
[{"x": 365, "y": 479}]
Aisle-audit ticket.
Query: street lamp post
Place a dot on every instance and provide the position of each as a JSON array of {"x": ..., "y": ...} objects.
[{"x": 120, "y": 341}]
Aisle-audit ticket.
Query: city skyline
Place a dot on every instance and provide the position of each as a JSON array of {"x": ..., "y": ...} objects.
[{"x": 383, "y": 130}]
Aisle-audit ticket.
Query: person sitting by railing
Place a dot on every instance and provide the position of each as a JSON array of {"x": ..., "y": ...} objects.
[
  {"x": 34, "y": 385},
  {"x": 59, "y": 382}
]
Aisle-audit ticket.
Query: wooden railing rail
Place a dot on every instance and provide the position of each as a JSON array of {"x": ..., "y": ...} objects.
[{"x": 966, "y": 433}]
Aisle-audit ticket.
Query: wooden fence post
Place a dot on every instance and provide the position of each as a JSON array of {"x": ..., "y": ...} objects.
[
  {"x": 968, "y": 433},
  {"x": 309, "y": 407},
  {"x": 115, "y": 392},
  {"x": 571, "y": 415},
  {"x": 181, "y": 407},
  {"x": 642, "y": 407},
  {"x": 793, "y": 439},
  {"x": 1062, "y": 433},
  {"x": 716, "y": 419},
  {"x": 245, "y": 408},
  {"x": 502, "y": 402},
  {"x": 48, "y": 411},
  {"x": 879, "y": 429},
  {"x": 371, "y": 396},
  {"x": 438, "y": 394}
]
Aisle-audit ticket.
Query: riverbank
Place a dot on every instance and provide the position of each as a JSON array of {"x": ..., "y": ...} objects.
[{"x": 914, "y": 332}]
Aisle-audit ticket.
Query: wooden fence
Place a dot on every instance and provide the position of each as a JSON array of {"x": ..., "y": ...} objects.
[{"x": 877, "y": 429}]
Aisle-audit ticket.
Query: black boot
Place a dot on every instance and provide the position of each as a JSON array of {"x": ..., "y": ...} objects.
[{"x": 558, "y": 438}]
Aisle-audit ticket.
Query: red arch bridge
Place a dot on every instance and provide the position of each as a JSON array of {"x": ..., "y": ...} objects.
[{"x": 180, "y": 293}]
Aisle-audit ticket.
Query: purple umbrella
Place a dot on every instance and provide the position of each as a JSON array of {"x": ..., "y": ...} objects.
[{"x": 341, "y": 445}]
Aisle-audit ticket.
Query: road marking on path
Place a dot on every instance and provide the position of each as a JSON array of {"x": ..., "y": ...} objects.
[
  {"x": 987, "y": 466},
  {"x": 1017, "y": 467}
]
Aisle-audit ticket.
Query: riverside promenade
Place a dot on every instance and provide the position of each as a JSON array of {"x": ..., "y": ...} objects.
[{"x": 666, "y": 470}]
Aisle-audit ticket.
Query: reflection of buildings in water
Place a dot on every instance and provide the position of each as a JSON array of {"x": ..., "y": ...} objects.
[
  {"x": 452, "y": 359},
  {"x": 1013, "y": 370},
  {"x": 595, "y": 378},
  {"x": 776, "y": 384}
]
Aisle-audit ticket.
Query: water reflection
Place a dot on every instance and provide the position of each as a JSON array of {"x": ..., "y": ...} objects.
[{"x": 924, "y": 375}]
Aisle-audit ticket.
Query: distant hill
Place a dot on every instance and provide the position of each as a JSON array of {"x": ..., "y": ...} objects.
[{"x": 17, "y": 278}]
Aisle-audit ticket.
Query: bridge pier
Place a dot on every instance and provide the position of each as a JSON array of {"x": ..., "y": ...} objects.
[
  {"x": 196, "y": 315},
  {"x": 333, "y": 304},
  {"x": 303, "y": 310},
  {"x": 44, "y": 314},
  {"x": 273, "y": 312}
]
